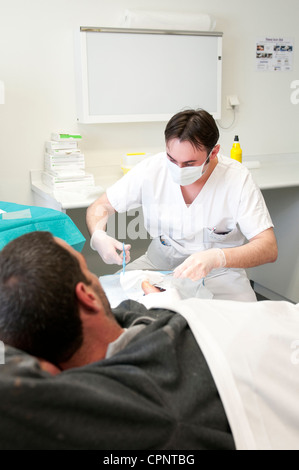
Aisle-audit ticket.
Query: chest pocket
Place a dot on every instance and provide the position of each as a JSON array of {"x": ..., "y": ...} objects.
[{"x": 229, "y": 238}]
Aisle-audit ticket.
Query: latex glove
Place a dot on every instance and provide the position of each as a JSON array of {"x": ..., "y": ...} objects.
[
  {"x": 198, "y": 265},
  {"x": 107, "y": 248}
]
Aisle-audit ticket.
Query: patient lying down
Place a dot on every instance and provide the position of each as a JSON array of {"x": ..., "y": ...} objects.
[
  {"x": 78, "y": 375},
  {"x": 180, "y": 374}
]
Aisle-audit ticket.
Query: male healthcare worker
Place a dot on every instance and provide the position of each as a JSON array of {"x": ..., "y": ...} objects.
[{"x": 199, "y": 207}]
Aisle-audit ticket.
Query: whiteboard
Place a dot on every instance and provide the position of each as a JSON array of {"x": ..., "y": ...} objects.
[{"x": 130, "y": 75}]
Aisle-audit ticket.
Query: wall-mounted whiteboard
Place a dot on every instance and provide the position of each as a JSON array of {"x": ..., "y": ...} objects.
[{"x": 131, "y": 75}]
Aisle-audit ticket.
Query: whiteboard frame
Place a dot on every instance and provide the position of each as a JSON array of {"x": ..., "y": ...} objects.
[{"x": 84, "y": 115}]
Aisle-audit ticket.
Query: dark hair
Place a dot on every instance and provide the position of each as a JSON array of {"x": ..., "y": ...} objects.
[
  {"x": 38, "y": 307},
  {"x": 195, "y": 126}
]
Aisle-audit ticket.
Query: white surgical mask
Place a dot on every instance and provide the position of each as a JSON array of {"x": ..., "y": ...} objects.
[{"x": 186, "y": 175}]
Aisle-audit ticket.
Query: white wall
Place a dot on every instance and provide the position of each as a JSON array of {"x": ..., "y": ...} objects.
[{"x": 37, "y": 67}]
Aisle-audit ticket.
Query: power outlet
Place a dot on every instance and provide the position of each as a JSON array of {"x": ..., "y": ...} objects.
[
  {"x": 228, "y": 105},
  {"x": 232, "y": 101}
]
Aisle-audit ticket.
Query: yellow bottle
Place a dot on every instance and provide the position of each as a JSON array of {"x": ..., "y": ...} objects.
[{"x": 236, "y": 151}]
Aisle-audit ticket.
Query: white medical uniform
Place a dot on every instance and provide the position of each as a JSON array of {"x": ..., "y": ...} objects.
[{"x": 229, "y": 210}]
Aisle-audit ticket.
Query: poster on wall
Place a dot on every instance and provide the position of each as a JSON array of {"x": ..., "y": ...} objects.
[{"x": 274, "y": 54}]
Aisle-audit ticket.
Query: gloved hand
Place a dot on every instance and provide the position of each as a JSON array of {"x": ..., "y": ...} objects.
[
  {"x": 107, "y": 248},
  {"x": 198, "y": 265}
]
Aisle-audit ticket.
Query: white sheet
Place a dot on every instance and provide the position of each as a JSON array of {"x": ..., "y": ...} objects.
[{"x": 251, "y": 351}]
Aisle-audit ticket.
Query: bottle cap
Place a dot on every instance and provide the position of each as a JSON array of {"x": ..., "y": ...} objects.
[{"x": 236, "y": 138}]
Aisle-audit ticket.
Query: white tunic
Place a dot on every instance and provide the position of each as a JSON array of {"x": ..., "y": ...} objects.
[{"x": 229, "y": 209}]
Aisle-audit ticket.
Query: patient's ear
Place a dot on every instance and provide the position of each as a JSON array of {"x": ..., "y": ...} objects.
[{"x": 86, "y": 297}]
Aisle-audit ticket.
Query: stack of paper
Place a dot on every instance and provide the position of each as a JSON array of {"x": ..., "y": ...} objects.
[{"x": 64, "y": 163}]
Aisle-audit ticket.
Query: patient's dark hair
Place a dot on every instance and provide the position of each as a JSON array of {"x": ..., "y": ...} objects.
[
  {"x": 195, "y": 126},
  {"x": 38, "y": 308}
]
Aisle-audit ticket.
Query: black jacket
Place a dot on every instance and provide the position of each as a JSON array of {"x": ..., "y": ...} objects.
[{"x": 156, "y": 393}]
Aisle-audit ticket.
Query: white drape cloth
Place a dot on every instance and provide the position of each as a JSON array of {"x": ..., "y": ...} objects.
[{"x": 252, "y": 350}]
